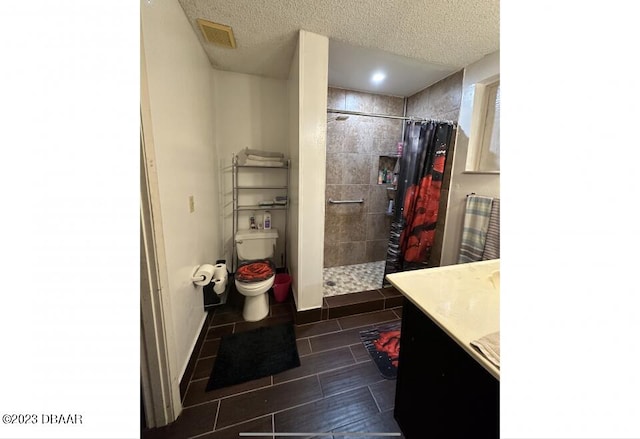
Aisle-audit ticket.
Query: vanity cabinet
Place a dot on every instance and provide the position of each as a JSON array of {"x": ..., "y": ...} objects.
[{"x": 441, "y": 391}]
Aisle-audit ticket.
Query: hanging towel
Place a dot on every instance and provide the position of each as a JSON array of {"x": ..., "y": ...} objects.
[
  {"x": 474, "y": 231},
  {"x": 492, "y": 242},
  {"x": 489, "y": 346}
]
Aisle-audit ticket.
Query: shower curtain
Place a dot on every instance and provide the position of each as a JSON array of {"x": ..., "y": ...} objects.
[{"x": 418, "y": 195}]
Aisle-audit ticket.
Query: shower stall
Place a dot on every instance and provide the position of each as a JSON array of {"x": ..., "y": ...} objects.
[
  {"x": 362, "y": 161},
  {"x": 384, "y": 172}
]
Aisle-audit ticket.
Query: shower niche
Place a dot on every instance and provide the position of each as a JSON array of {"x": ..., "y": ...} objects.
[{"x": 388, "y": 168}]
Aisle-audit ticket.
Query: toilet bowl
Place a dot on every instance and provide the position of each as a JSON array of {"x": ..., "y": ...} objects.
[
  {"x": 256, "y": 301},
  {"x": 256, "y": 272}
]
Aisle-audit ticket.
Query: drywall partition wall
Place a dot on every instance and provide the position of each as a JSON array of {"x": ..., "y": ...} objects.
[
  {"x": 463, "y": 183},
  {"x": 251, "y": 112},
  {"x": 182, "y": 113},
  {"x": 293, "y": 88},
  {"x": 309, "y": 167}
]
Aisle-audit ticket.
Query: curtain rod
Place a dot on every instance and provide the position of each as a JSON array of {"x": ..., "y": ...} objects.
[{"x": 410, "y": 118}]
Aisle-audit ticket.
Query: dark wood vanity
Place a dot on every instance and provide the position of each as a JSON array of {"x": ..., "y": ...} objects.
[{"x": 446, "y": 389}]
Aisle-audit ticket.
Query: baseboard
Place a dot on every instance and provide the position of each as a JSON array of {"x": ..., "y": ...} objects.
[
  {"x": 193, "y": 358},
  {"x": 351, "y": 304}
]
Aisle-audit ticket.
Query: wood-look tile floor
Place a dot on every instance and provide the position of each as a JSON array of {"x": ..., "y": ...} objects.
[{"x": 337, "y": 388}]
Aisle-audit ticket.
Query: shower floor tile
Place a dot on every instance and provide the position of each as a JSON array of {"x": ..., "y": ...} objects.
[{"x": 352, "y": 278}]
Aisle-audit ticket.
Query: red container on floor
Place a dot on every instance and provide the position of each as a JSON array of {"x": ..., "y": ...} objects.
[{"x": 281, "y": 285}]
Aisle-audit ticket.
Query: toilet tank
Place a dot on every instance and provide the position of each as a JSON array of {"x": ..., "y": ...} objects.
[{"x": 256, "y": 244}]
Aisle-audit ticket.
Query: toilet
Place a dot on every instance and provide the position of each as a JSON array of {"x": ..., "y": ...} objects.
[{"x": 256, "y": 271}]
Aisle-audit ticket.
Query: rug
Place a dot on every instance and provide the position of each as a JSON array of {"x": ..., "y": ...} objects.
[
  {"x": 383, "y": 344},
  {"x": 254, "y": 354}
]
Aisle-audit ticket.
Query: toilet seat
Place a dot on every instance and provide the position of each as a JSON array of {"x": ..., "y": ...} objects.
[{"x": 254, "y": 288}]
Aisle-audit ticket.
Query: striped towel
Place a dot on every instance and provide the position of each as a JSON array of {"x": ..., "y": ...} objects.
[
  {"x": 474, "y": 230},
  {"x": 492, "y": 242}
]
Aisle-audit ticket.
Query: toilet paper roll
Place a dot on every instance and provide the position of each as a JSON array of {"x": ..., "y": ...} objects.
[
  {"x": 220, "y": 271},
  {"x": 203, "y": 275},
  {"x": 219, "y": 285},
  {"x": 224, "y": 279}
]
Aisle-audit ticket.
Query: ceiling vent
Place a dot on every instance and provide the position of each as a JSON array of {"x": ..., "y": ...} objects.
[{"x": 217, "y": 33}]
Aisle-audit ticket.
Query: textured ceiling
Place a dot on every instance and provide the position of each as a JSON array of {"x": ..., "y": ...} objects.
[{"x": 445, "y": 35}]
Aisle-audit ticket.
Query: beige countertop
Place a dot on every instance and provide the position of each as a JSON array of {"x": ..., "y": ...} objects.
[{"x": 463, "y": 299}]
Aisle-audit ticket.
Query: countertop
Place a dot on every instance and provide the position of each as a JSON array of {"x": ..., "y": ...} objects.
[{"x": 462, "y": 299}]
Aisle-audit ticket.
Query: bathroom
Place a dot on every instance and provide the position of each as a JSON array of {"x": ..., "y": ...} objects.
[
  {"x": 79, "y": 338},
  {"x": 238, "y": 110}
]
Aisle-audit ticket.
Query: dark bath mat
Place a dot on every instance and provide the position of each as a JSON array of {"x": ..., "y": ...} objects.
[
  {"x": 254, "y": 354},
  {"x": 383, "y": 344}
]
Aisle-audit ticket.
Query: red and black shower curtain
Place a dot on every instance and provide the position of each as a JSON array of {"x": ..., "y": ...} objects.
[{"x": 418, "y": 195}]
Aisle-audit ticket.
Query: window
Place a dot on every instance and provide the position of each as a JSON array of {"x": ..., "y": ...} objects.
[
  {"x": 484, "y": 142},
  {"x": 489, "y": 159}
]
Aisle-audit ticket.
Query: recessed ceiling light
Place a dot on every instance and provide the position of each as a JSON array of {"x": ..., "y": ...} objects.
[{"x": 378, "y": 77}]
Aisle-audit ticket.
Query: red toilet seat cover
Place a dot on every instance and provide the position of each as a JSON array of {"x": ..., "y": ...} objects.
[{"x": 255, "y": 271}]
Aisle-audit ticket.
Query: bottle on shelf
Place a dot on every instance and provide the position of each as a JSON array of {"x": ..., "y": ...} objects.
[
  {"x": 267, "y": 220},
  {"x": 252, "y": 221}
]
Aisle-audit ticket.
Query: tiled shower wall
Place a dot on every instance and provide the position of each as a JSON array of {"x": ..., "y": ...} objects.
[
  {"x": 440, "y": 101},
  {"x": 358, "y": 233}
]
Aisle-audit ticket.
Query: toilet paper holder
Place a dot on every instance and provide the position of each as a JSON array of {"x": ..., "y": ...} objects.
[
  {"x": 212, "y": 294},
  {"x": 202, "y": 274},
  {"x": 207, "y": 272}
]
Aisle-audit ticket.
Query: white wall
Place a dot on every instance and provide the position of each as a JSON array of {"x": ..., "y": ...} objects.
[
  {"x": 463, "y": 183},
  {"x": 308, "y": 163},
  {"x": 182, "y": 116},
  {"x": 293, "y": 87},
  {"x": 251, "y": 111}
]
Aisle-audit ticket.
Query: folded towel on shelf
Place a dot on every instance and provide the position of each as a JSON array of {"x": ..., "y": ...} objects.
[
  {"x": 474, "y": 231},
  {"x": 263, "y": 159},
  {"x": 254, "y": 157},
  {"x": 258, "y": 152},
  {"x": 492, "y": 241},
  {"x": 248, "y": 162},
  {"x": 489, "y": 347}
]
